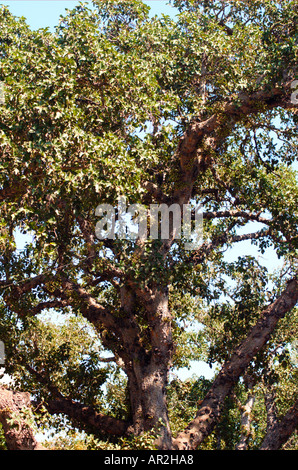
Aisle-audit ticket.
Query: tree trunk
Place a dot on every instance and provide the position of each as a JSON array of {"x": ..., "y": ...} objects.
[
  {"x": 18, "y": 435},
  {"x": 147, "y": 368},
  {"x": 147, "y": 387}
]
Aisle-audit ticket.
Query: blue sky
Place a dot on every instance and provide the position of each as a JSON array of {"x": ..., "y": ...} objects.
[{"x": 46, "y": 13}]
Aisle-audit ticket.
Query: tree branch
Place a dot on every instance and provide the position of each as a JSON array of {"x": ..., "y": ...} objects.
[
  {"x": 91, "y": 309},
  {"x": 202, "y": 138},
  {"x": 78, "y": 412},
  {"x": 46, "y": 305},
  {"x": 20, "y": 288},
  {"x": 245, "y": 422},
  {"x": 156, "y": 192},
  {"x": 282, "y": 430},
  {"x": 205, "y": 249},
  {"x": 270, "y": 405},
  {"x": 88, "y": 417},
  {"x": 209, "y": 412},
  {"x": 236, "y": 213}
]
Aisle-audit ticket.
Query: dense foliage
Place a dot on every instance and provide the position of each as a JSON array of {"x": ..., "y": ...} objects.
[{"x": 161, "y": 110}]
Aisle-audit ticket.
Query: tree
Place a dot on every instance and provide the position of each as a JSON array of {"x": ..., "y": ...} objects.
[{"x": 196, "y": 110}]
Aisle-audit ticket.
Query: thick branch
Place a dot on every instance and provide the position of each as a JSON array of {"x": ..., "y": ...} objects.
[
  {"x": 210, "y": 410},
  {"x": 91, "y": 309},
  {"x": 246, "y": 412},
  {"x": 270, "y": 405},
  {"x": 46, "y": 305},
  {"x": 77, "y": 412},
  {"x": 88, "y": 417},
  {"x": 236, "y": 213},
  {"x": 156, "y": 192},
  {"x": 25, "y": 286},
  {"x": 202, "y": 138},
  {"x": 221, "y": 240},
  {"x": 282, "y": 430},
  {"x": 89, "y": 236}
]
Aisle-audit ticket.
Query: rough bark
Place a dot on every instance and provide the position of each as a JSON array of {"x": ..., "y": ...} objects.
[
  {"x": 87, "y": 417},
  {"x": 280, "y": 432},
  {"x": 211, "y": 406},
  {"x": 18, "y": 434},
  {"x": 202, "y": 139},
  {"x": 271, "y": 410},
  {"x": 245, "y": 423},
  {"x": 147, "y": 369},
  {"x": 147, "y": 385}
]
